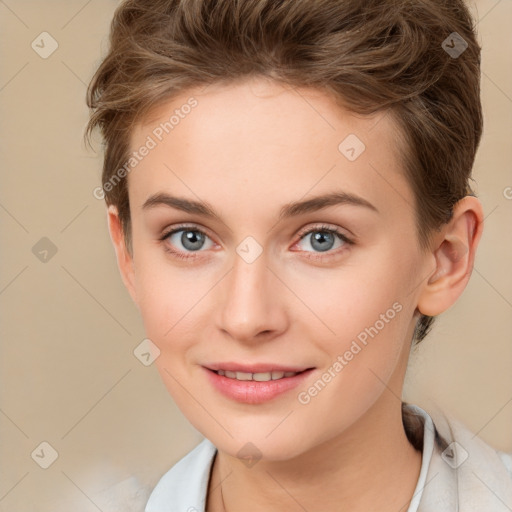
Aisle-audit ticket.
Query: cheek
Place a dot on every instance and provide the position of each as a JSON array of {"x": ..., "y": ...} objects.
[
  {"x": 169, "y": 303},
  {"x": 368, "y": 341},
  {"x": 156, "y": 299},
  {"x": 173, "y": 302},
  {"x": 361, "y": 319},
  {"x": 348, "y": 300},
  {"x": 361, "y": 356}
]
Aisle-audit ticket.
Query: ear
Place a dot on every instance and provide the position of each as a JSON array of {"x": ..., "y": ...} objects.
[
  {"x": 124, "y": 259},
  {"x": 454, "y": 250}
]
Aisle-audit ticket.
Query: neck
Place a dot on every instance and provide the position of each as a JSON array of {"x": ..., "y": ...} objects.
[{"x": 371, "y": 466}]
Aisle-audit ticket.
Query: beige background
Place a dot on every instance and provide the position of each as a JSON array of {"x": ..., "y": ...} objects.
[{"x": 68, "y": 327}]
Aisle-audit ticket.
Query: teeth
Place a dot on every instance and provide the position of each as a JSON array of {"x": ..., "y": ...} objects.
[{"x": 259, "y": 377}]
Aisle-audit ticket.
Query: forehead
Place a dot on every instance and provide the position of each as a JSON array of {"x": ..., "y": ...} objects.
[{"x": 269, "y": 141}]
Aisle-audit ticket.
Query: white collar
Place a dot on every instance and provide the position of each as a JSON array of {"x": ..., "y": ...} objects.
[{"x": 480, "y": 483}]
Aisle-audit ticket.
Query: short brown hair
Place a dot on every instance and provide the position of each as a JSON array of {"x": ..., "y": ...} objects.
[{"x": 373, "y": 55}]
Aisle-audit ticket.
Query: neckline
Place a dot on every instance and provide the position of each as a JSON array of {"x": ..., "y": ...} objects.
[{"x": 425, "y": 437}]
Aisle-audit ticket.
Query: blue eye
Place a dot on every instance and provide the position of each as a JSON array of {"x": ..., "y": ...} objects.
[
  {"x": 190, "y": 238},
  {"x": 323, "y": 239}
]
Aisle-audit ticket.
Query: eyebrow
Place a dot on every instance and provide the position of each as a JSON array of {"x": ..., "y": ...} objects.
[{"x": 288, "y": 210}]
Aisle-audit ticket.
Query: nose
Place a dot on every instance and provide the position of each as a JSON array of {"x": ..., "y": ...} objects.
[{"x": 251, "y": 305}]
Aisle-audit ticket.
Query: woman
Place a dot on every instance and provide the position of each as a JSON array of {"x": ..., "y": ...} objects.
[{"x": 288, "y": 195}]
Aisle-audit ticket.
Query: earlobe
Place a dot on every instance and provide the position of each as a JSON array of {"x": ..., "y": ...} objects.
[
  {"x": 454, "y": 253},
  {"x": 123, "y": 256}
]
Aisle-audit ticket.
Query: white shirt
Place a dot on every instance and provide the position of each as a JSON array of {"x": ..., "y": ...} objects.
[{"x": 467, "y": 476}]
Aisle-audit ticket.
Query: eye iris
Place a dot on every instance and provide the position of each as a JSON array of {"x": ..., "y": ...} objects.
[
  {"x": 321, "y": 237},
  {"x": 320, "y": 240},
  {"x": 192, "y": 240}
]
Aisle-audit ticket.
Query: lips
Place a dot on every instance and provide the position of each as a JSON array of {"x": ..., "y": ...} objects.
[
  {"x": 255, "y": 383},
  {"x": 255, "y": 367},
  {"x": 257, "y": 376},
  {"x": 255, "y": 372}
]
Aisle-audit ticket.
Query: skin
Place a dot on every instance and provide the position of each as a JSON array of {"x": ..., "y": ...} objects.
[{"x": 247, "y": 149}]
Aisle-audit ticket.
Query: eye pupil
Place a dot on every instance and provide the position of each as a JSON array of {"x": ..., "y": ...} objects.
[
  {"x": 192, "y": 240},
  {"x": 321, "y": 237}
]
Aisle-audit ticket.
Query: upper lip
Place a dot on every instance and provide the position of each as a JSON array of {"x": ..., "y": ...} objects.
[{"x": 255, "y": 367}]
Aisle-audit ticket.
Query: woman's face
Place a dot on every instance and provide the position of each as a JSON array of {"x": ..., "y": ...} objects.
[{"x": 331, "y": 285}]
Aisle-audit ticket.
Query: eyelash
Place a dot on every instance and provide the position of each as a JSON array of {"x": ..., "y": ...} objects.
[
  {"x": 325, "y": 229},
  {"x": 318, "y": 256}
]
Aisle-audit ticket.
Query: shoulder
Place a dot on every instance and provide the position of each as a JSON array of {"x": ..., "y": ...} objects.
[
  {"x": 475, "y": 447},
  {"x": 129, "y": 495},
  {"x": 184, "y": 486},
  {"x": 478, "y": 474}
]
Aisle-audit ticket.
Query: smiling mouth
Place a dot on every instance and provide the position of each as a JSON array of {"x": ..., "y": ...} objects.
[
  {"x": 265, "y": 383},
  {"x": 258, "y": 377}
]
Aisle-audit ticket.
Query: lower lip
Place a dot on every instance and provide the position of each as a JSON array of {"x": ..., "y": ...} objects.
[{"x": 255, "y": 392}]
